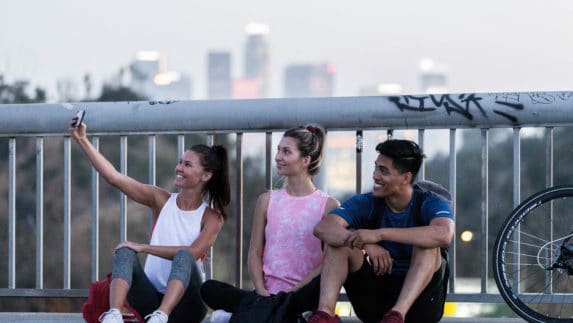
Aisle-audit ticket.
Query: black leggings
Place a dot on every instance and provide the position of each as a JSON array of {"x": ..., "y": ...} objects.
[
  {"x": 222, "y": 296},
  {"x": 143, "y": 296}
]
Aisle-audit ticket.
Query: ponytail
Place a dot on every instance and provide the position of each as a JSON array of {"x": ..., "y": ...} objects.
[{"x": 217, "y": 191}]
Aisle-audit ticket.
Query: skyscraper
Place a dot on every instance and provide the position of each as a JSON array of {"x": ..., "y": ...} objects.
[
  {"x": 433, "y": 77},
  {"x": 219, "y": 75},
  {"x": 150, "y": 77},
  {"x": 257, "y": 56},
  {"x": 309, "y": 80}
]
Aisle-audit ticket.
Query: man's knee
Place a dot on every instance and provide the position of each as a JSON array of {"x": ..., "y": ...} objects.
[{"x": 352, "y": 256}]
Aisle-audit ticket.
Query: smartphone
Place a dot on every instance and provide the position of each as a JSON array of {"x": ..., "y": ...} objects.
[{"x": 80, "y": 118}]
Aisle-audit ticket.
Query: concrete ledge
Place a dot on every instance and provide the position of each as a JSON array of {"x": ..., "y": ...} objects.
[{"x": 13, "y": 317}]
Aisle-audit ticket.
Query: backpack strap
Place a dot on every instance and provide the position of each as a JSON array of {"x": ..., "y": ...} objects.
[
  {"x": 417, "y": 207},
  {"x": 418, "y": 221}
]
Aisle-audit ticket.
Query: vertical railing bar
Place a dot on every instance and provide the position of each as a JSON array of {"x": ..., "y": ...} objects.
[
  {"x": 95, "y": 216},
  {"x": 422, "y": 172},
  {"x": 67, "y": 212},
  {"x": 239, "y": 212},
  {"x": 209, "y": 261},
  {"x": 359, "y": 150},
  {"x": 453, "y": 191},
  {"x": 39, "y": 212},
  {"x": 484, "y": 208},
  {"x": 549, "y": 155},
  {"x": 152, "y": 170},
  {"x": 12, "y": 213},
  {"x": 180, "y": 145},
  {"x": 122, "y": 197},
  {"x": 268, "y": 161},
  {"x": 516, "y": 201}
]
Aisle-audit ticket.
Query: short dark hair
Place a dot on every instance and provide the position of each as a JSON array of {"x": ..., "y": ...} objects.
[{"x": 406, "y": 155}]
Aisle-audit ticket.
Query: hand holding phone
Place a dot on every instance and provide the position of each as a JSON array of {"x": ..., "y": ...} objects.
[{"x": 79, "y": 118}]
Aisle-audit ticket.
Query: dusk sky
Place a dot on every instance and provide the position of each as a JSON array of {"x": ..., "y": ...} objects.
[{"x": 487, "y": 46}]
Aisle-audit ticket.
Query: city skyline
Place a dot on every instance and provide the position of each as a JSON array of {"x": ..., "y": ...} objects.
[{"x": 488, "y": 46}]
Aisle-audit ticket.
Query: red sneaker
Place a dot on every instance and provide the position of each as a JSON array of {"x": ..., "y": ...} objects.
[
  {"x": 392, "y": 317},
  {"x": 323, "y": 317}
]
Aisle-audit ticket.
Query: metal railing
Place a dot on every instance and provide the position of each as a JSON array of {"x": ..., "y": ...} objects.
[{"x": 354, "y": 115}]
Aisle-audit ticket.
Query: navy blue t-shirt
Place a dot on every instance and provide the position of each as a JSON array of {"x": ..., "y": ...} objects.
[{"x": 359, "y": 211}]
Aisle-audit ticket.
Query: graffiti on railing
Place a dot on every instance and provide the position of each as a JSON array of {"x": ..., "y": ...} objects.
[
  {"x": 162, "y": 102},
  {"x": 465, "y": 105},
  {"x": 468, "y": 105}
]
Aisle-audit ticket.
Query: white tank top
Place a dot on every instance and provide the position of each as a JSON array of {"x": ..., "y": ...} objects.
[{"x": 174, "y": 227}]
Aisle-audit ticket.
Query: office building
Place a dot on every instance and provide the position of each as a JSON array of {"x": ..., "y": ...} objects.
[
  {"x": 149, "y": 76},
  {"x": 219, "y": 75},
  {"x": 257, "y": 56},
  {"x": 309, "y": 80},
  {"x": 433, "y": 79}
]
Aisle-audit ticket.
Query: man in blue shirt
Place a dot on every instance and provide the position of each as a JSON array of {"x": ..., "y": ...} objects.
[{"x": 387, "y": 256}]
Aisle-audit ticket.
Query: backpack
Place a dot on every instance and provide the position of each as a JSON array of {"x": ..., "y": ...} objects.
[
  {"x": 98, "y": 303},
  {"x": 444, "y": 194},
  {"x": 419, "y": 188}
]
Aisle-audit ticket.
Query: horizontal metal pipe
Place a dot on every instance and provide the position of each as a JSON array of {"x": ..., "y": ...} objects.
[{"x": 463, "y": 110}]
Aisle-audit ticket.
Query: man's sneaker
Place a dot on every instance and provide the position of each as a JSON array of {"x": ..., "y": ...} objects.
[
  {"x": 392, "y": 317},
  {"x": 111, "y": 316},
  {"x": 323, "y": 317},
  {"x": 156, "y": 317}
]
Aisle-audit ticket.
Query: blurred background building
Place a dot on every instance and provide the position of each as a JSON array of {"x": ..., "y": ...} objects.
[
  {"x": 433, "y": 77},
  {"x": 309, "y": 80},
  {"x": 219, "y": 75},
  {"x": 149, "y": 76},
  {"x": 257, "y": 57}
]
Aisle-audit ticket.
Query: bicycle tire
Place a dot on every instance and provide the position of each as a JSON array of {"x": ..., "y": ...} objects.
[{"x": 532, "y": 290}]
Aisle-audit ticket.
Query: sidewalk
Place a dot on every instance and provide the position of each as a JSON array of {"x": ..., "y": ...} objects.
[{"x": 8, "y": 317}]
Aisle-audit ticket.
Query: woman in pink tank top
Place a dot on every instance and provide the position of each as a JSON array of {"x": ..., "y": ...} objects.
[{"x": 284, "y": 255}]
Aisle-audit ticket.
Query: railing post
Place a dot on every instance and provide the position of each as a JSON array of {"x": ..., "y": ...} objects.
[
  {"x": 95, "y": 216},
  {"x": 239, "y": 212},
  {"x": 122, "y": 197},
  {"x": 453, "y": 191},
  {"x": 12, "y": 213},
  {"x": 39, "y": 212},
  {"x": 67, "y": 212},
  {"x": 484, "y": 209}
]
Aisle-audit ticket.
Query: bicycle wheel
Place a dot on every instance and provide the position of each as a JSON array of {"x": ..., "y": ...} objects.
[{"x": 531, "y": 267}]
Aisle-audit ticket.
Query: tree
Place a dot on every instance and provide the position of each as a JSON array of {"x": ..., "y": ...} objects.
[
  {"x": 119, "y": 93},
  {"x": 17, "y": 93}
]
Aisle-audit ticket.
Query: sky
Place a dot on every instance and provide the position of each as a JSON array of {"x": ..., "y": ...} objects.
[{"x": 487, "y": 46}]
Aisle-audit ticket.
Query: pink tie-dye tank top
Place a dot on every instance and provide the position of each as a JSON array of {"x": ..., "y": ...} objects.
[{"x": 291, "y": 250}]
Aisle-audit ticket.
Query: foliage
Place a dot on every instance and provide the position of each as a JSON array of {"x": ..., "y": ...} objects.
[
  {"x": 119, "y": 93},
  {"x": 18, "y": 93}
]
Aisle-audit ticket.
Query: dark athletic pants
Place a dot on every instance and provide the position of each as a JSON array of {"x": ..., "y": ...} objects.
[
  {"x": 372, "y": 296},
  {"x": 220, "y": 295}
]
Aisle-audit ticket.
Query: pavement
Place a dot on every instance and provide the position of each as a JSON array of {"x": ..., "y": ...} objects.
[{"x": 15, "y": 317}]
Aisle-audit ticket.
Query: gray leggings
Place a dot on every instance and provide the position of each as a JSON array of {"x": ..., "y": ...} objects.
[{"x": 143, "y": 296}]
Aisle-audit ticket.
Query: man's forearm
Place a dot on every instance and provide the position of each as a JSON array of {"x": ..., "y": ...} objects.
[{"x": 332, "y": 234}]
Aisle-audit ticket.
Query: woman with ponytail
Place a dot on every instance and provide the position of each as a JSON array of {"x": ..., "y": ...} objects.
[
  {"x": 185, "y": 226},
  {"x": 284, "y": 255}
]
